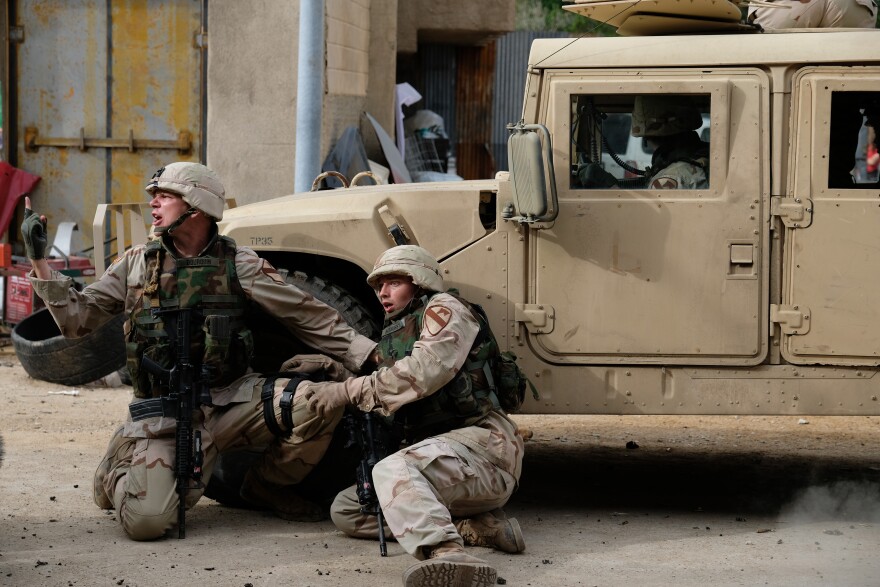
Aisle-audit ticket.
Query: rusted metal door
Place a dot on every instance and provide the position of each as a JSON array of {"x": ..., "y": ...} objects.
[{"x": 106, "y": 92}]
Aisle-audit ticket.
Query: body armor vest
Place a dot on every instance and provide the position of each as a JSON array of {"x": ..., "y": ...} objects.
[
  {"x": 463, "y": 401},
  {"x": 208, "y": 285}
]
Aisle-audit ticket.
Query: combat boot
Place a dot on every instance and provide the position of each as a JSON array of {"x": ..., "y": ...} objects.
[
  {"x": 115, "y": 452},
  {"x": 492, "y": 530},
  {"x": 281, "y": 499},
  {"x": 447, "y": 564}
]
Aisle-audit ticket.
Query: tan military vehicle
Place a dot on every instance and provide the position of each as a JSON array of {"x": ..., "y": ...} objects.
[{"x": 754, "y": 294}]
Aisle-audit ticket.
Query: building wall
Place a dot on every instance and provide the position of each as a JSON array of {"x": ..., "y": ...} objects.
[
  {"x": 252, "y": 96},
  {"x": 252, "y": 75},
  {"x": 348, "y": 47},
  {"x": 252, "y": 85},
  {"x": 452, "y": 22}
]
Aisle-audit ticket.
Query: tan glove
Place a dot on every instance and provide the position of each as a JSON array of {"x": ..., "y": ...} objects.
[
  {"x": 311, "y": 364},
  {"x": 325, "y": 397}
]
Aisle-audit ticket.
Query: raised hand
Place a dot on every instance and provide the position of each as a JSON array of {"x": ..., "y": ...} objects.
[{"x": 33, "y": 231}]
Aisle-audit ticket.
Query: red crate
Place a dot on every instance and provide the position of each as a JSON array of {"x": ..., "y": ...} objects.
[{"x": 19, "y": 298}]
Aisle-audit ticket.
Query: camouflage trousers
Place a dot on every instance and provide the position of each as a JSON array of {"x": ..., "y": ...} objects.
[
  {"x": 421, "y": 489},
  {"x": 138, "y": 470},
  {"x": 816, "y": 14}
]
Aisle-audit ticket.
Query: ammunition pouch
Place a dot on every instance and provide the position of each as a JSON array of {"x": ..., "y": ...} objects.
[{"x": 153, "y": 408}]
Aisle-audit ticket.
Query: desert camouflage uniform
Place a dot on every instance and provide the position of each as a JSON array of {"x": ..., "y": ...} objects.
[
  {"x": 681, "y": 175},
  {"x": 139, "y": 476},
  {"x": 816, "y": 14},
  {"x": 458, "y": 473}
]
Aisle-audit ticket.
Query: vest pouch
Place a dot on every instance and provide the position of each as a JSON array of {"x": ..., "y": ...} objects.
[
  {"x": 228, "y": 353},
  {"x": 145, "y": 384},
  {"x": 461, "y": 391},
  {"x": 217, "y": 343},
  {"x": 139, "y": 383},
  {"x": 511, "y": 383}
]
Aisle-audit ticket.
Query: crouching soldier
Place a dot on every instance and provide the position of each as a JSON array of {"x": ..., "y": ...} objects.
[{"x": 463, "y": 455}]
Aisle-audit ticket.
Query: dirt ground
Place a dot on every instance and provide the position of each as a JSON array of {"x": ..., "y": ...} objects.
[{"x": 702, "y": 500}]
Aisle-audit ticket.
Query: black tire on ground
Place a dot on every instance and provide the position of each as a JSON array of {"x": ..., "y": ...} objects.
[
  {"x": 48, "y": 356},
  {"x": 336, "y": 471}
]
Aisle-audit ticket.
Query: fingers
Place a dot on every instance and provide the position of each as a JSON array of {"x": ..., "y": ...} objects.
[
  {"x": 316, "y": 405},
  {"x": 312, "y": 399},
  {"x": 28, "y": 211}
]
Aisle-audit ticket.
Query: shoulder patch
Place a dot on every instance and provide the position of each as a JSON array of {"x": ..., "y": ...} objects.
[
  {"x": 664, "y": 183},
  {"x": 436, "y": 319}
]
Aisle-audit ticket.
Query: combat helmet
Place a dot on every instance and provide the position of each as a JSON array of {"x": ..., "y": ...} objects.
[
  {"x": 663, "y": 115},
  {"x": 410, "y": 260},
  {"x": 196, "y": 184}
]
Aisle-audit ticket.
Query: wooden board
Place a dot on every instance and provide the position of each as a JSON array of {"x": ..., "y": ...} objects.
[
  {"x": 616, "y": 12},
  {"x": 656, "y": 24}
]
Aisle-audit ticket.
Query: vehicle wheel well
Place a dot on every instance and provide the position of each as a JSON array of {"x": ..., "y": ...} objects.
[{"x": 344, "y": 274}]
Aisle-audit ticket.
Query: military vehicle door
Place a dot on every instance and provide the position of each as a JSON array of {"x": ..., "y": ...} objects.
[
  {"x": 106, "y": 93},
  {"x": 669, "y": 273},
  {"x": 831, "y": 209}
]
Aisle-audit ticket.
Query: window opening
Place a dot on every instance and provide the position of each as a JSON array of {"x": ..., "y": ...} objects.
[
  {"x": 853, "y": 156},
  {"x": 640, "y": 141}
]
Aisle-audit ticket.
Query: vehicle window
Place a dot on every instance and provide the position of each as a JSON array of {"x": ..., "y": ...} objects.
[
  {"x": 640, "y": 141},
  {"x": 853, "y": 148}
]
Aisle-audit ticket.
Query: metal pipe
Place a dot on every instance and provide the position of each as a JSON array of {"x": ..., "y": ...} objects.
[{"x": 309, "y": 93}]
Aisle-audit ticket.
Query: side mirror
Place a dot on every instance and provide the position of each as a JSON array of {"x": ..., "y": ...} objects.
[{"x": 530, "y": 154}]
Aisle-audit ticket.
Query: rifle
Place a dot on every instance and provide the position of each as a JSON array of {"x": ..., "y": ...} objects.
[
  {"x": 183, "y": 385},
  {"x": 374, "y": 441}
]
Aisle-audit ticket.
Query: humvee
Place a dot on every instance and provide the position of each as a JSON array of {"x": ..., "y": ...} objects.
[{"x": 751, "y": 296}]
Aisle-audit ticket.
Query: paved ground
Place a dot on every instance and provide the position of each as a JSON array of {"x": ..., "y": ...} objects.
[{"x": 702, "y": 500}]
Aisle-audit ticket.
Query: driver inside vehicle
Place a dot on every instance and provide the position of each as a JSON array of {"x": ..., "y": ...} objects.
[{"x": 680, "y": 159}]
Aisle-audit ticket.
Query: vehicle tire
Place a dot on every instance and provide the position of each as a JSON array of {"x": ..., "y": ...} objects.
[
  {"x": 274, "y": 344},
  {"x": 355, "y": 313},
  {"x": 325, "y": 481},
  {"x": 48, "y": 356}
]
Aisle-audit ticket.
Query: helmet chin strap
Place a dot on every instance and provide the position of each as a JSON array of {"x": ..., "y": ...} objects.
[{"x": 167, "y": 230}]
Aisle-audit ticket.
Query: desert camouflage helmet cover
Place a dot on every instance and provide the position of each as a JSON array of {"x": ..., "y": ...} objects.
[
  {"x": 664, "y": 115},
  {"x": 196, "y": 184},
  {"x": 409, "y": 260}
]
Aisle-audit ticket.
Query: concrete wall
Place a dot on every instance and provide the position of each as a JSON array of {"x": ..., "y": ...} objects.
[
  {"x": 252, "y": 76},
  {"x": 252, "y": 96}
]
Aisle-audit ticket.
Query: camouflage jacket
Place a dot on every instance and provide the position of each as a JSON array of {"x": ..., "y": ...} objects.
[
  {"x": 207, "y": 288},
  {"x": 463, "y": 401},
  {"x": 121, "y": 288},
  {"x": 448, "y": 333}
]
